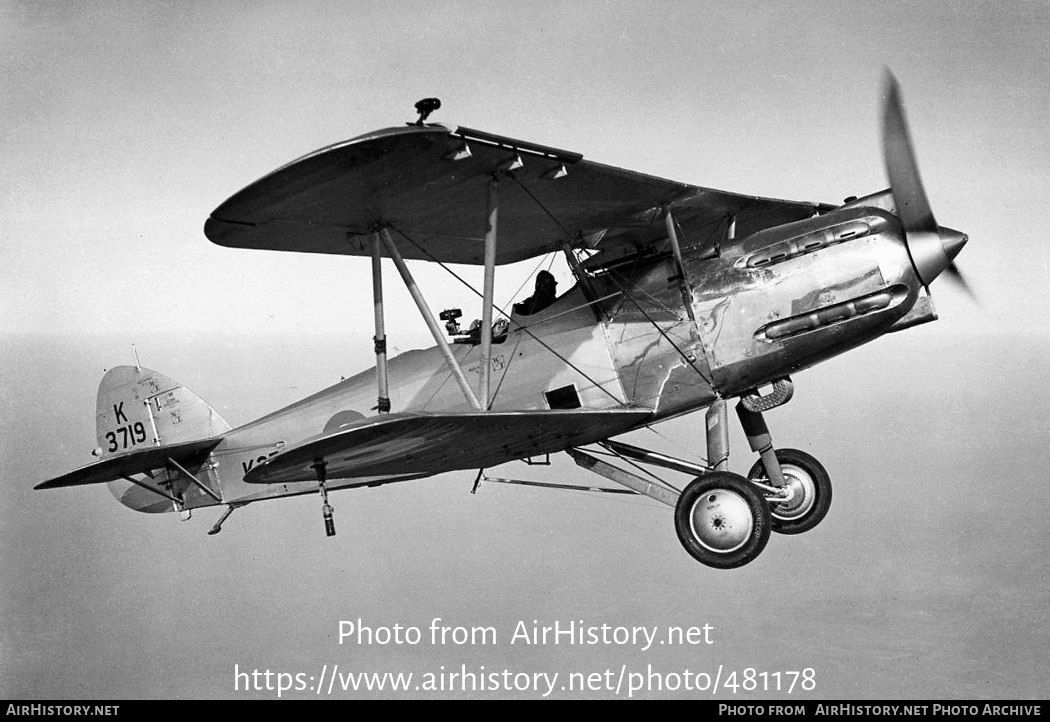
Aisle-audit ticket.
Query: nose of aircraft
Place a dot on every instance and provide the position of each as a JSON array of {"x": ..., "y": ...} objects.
[
  {"x": 933, "y": 253},
  {"x": 933, "y": 248},
  {"x": 953, "y": 241}
]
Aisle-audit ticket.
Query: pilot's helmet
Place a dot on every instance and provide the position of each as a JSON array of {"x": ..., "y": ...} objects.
[{"x": 545, "y": 280}]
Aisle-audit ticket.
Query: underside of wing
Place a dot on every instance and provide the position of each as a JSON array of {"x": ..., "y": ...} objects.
[
  {"x": 703, "y": 219},
  {"x": 135, "y": 462},
  {"x": 423, "y": 444},
  {"x": 430, "y": 185}
]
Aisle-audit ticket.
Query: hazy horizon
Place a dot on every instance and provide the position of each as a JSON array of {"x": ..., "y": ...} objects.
[
  {"x": 926, "y": 579},
  {"x": 125, "y": 124}
]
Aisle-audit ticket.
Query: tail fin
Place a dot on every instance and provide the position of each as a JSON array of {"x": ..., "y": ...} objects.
[{"x": 138, "y": 408}]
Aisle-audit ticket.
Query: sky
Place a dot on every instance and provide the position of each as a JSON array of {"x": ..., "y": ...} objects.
[{"x": 123, "y": 124}]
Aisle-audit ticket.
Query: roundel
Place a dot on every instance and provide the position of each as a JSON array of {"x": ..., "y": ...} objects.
[{"x": 341, "y": 419}]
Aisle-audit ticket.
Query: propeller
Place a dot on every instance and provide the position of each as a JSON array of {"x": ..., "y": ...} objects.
[
  {"x": 932, "y": 248},
  {"x": 959, "y": 279}
]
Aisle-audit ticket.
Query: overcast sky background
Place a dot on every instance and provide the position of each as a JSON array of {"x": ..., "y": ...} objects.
[{"x": 123, "y": 124}]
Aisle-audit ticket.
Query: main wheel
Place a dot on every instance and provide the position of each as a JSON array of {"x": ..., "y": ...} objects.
[
  {"x": 811, "y": 485},
  {"x": 722, "y": 520}
]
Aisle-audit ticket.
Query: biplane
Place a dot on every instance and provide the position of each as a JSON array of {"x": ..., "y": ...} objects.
[{"x": 685, "y": 298}]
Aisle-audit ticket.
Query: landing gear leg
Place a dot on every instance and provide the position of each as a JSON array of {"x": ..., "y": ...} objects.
[
  {"x": 802, "y": 478},
  {"x": 721, "y": 519},
  {"x": 810, "y": 491},
  {"x": 326, "y": 509},
  {"x": 760, "y": 440},
  {"x": 717, "y": 423}
]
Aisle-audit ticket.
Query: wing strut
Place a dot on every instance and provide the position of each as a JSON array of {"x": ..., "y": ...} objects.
[
  {"x": 489, "y": 292},
  {"x": 683, "y": 282},
  {"x": 383, "y": 402},
  {"x": 424, "y": 311}
]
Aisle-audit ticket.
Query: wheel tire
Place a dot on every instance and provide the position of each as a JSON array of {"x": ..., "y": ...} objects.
[
  {"x": 812, "y": 487},
  {"x": 722, "y": 520}
]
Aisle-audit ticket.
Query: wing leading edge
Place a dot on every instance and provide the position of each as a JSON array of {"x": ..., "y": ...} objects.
[
  {"x": 424, "y": 444},
  {"x": 431, "y": 184}
]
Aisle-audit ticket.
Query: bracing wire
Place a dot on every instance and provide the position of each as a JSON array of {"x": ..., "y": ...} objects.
[
  {"x": 645, "y": 471},
  {"x": 520, "y": 327},
  {"x": 618, "y": 496},
  {"x": 629, "y": 296},
  {"x": 531, "y": 274}
]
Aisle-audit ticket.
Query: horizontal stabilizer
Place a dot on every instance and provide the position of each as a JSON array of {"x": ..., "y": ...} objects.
[
  {"x": 135, "y": 462},
  {"x": 413, "y": 444}
]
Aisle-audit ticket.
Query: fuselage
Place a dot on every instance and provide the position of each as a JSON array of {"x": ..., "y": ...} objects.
[{"x": 762, "y": 308}]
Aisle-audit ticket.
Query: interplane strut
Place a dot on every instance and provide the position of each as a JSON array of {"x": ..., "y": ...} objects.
[{"x": 428, "y": 317}]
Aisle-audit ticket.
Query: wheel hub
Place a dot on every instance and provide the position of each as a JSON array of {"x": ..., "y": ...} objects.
[
  {"x": 721, "y": 520},
  {"x": 804, "y": 494}
]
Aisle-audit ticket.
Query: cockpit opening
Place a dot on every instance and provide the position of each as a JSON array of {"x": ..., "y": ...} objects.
[
  {"x": 472, "y": 335},
  {"x": 545, "y": 294}
]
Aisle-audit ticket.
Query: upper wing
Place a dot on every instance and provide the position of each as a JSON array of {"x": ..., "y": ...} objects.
[
  {"x": 134, "y": 462},
  {"x": 431, "y": 183},
  {"x": 422, "y": 444}
]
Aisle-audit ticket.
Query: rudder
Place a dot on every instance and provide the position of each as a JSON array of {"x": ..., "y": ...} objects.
[{"x": 137, "y": 408}]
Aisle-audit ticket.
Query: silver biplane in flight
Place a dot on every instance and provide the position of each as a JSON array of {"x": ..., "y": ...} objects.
[{"x": 685, "y": 298}]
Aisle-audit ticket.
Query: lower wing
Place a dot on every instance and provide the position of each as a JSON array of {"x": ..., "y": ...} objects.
[{"x": 408, "y": 443}]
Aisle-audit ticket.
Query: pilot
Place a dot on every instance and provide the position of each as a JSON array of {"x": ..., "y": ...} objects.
[{"x": 543, "y": 296}]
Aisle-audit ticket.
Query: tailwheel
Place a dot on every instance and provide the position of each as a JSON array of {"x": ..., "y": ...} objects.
[
  {"x": 811, "y": 491},
  {"x": 722, "y": 520}
]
